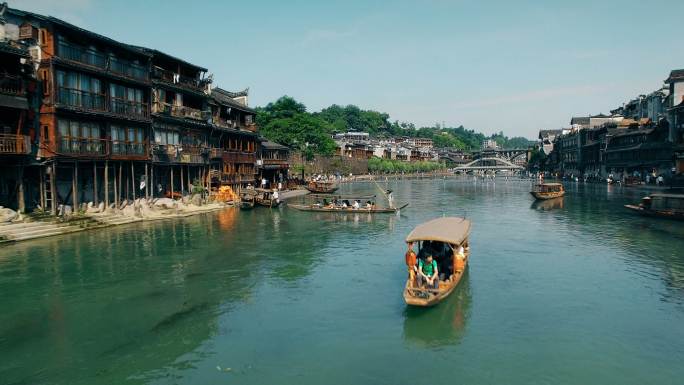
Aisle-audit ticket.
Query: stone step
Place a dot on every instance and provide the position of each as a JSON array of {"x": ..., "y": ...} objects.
[
  {"x": 25, "y": 237},
  {"x": 24, "y": 225},
  {"x": 40, "y": 231}
]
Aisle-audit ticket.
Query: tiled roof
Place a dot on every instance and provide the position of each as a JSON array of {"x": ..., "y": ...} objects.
[
  {"x": 675, "y": 75},
  {"x": 224, "y": 97},
  {"x": 65, "y": 25},
  {"x": 155, "y": 52}
]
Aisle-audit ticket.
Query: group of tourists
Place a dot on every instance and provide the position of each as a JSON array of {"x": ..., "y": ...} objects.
[
  {"x": 345, "y": 204},
  {"x": 435, "y": 262}
]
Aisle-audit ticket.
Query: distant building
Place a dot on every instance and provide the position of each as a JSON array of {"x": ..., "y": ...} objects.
[
  {"x": 489, "y": 144},
  {"x": 419, "y": 142},
  {"x": 546, "y": 138},
  {"x": 353, "y": 137}
]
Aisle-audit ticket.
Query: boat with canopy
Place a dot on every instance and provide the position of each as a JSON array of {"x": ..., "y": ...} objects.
[
  {"x": 446, "y": 241},
  {"x": 548, "y": 191},
  {"x": 267, "y": 198},
  {"x": 247, "y": 199}
]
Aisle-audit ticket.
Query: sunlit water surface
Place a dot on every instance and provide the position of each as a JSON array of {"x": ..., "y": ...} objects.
[{"x": 572, "y": 292}]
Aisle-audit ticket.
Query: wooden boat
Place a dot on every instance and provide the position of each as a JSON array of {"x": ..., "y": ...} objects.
[
  {"x": 548, "y": 191},
  {"x": 450, "y": 233},
  {"x": 345, "y": 210},
  {"x": 661, "y": 205},
  {"x": 324, "y": 187},
  {"x": 266, "y": 198},
  {"x": 247, "y": 199}
]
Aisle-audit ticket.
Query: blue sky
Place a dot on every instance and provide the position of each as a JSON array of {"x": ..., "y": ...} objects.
[{"x": 515, "y": 66}]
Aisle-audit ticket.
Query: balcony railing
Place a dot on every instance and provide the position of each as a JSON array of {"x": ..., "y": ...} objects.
[
  {"x": 180, "y": 111},
  {"x": 235, "y": 178},
  {"x": 179, "y": 154},
  {"x": 174, "y": 78},
  {"x": 82, "y": 55},
  {"x": 123, "y": 148},
  {"x": 93, "y": 58},
  {"x": 81, "y": 99},
  {"x": 99, "y": 102},
  {"x": 215, "y": 153},
  {"x": 82, "y": 146},
  {"x": 238, "y": 157},
  {"x": 126, "y": 68},
  {"x": 275, "y": 161},
  {"x": 12, "y": 85},
  {"x": 127, "y": 107},
  {"x": 224, "y": 122},
  {"x": 14, "y": 144}
]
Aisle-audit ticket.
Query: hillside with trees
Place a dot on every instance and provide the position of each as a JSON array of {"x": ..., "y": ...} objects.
[{"x": 288, "y": 122}]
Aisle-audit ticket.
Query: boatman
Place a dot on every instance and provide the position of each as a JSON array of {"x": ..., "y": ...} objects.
[
  {"x": 390, "y": 199},
  {"x": 427, "y": 273},
  {"x": 410, "y": 257}
]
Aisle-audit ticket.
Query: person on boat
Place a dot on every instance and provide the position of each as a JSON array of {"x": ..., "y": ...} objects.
[
  {"x": 369, "y": 205},
  {"x": 459, "y": 261},
  {"x": 356, "y": 205},
  {"x": 427, "y": 273},
  {"x": 390, "y": 198},
  {"x": 411, "y": 260},
  {"x": 276, "y": 196}
]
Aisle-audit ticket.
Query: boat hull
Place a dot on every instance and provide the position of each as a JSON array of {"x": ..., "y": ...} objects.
[
  {"x": 318, "y": 190},
  {"x": 345, "y": 210},
  {"x": 268, "y": 203},
  {"x": 547, "y": 195},
  {"x": 434, "y": 297},
  {"x": 668, "y": 214}
]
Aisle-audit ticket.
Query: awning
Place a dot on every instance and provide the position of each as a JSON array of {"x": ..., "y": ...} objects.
[{"x": 452, "y": 230}]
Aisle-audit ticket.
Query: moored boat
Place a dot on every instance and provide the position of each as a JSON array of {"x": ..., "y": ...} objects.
[
  {"x": 324, "y": 187},
  {"x": 548, "y": 191},
  {"x": 266, "y": 197},
  {"x": 661, "y": 205},
  {"x": 446, "y": 240},
  {"x": 247, "y": 199}
]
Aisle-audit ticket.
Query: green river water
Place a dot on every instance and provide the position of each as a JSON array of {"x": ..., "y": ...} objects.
[{"x": 581, "y": 292}]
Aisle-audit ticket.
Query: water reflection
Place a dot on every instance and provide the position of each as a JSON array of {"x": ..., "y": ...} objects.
[
  {"x": 131, "y": 299},
  {"x": 548, "y": 204},
  {"x": 226, "y": 218},
  {"x": 441, "y": 325}
]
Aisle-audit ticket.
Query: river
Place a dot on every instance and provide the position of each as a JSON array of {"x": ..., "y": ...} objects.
[{"x": 581, "y": 292}]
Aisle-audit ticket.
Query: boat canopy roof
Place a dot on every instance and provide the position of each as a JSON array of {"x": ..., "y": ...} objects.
[
  {"x": 550, "y": 184},
  {"x": 452, "y": 230}
]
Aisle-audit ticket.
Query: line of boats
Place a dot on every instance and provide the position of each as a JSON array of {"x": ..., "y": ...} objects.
[{"x": 322, "y": 201}]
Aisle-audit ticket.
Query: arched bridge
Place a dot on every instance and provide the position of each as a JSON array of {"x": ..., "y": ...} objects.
[{"x": 490, "y": 163}]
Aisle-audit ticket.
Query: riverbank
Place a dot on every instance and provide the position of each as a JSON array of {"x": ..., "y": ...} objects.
[{"x": 36, "y": 226}]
